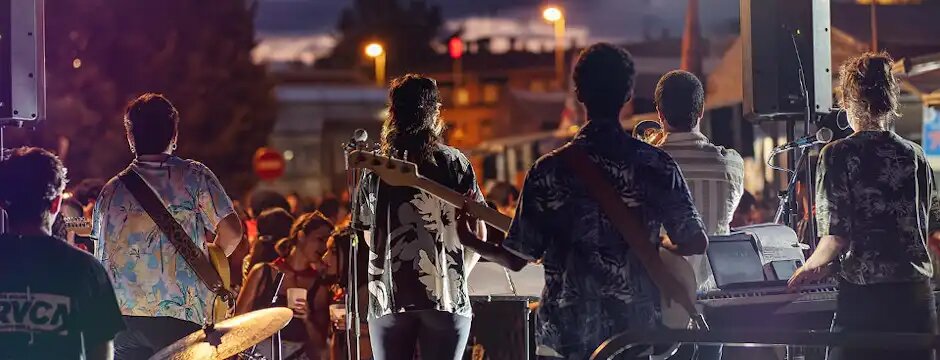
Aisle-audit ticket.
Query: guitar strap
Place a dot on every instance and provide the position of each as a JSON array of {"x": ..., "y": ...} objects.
[
  {"x": 626, "y": 220},
  {"x": 194, "y": 257}
]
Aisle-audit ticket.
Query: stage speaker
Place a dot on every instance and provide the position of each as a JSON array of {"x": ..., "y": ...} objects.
[
  {"x": 22, "y": 62},
  {"x": 773, "y": 32},
  {"x": 503, "y": 327}
]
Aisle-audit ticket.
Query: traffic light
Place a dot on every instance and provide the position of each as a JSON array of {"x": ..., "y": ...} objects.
[{"x": 455, "y": 47}]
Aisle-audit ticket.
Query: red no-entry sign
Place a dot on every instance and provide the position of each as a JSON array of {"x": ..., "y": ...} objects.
[{"x": 269, "y": 164}]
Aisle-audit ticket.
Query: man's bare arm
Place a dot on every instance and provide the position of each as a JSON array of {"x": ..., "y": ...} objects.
[{"x": 229, "y": 233}]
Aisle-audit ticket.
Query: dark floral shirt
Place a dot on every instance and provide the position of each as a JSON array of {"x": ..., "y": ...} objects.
[
  {"x": 416, "y": 260},
  {"x": 877, "y": 191},
  {"x": 594, "y": 288}
]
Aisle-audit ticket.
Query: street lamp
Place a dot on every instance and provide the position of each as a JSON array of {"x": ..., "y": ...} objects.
[
  {"x": 377, "y": 52},
  {"x": 554, "y": 15}
]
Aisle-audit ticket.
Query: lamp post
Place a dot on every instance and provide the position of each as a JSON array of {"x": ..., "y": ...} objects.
[
  {"x": 377, "y": 52},
  {"x": 554, "y": 15}
]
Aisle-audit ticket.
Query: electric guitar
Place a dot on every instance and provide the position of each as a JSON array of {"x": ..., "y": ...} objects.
[{"x": 397, "y": 172}]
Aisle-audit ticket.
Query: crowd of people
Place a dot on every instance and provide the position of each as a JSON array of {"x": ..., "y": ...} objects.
[{"x": 133, "y": 287}]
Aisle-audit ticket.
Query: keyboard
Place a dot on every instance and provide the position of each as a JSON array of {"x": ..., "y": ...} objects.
[{"x": 811, "y": 298}]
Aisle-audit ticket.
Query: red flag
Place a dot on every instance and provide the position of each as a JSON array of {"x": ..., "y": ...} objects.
[{"x": 692, "y": 41}]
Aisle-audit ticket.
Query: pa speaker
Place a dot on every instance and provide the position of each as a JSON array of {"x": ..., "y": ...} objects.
[
  {"x": 22, "y": 62},
  {"x": 780, "y": 37}
]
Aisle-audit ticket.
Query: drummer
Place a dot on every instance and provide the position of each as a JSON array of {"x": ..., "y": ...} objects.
[{"x": 301, "y": 280}]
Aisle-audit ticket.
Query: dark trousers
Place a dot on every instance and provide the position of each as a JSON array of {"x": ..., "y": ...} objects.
[
  {"x": 896, "y": 307},
  {"x": 145, "y": 336},
  {"x": 440, "y": 335}
]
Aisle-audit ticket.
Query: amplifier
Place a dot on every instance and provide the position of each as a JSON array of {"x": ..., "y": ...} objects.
[{"x": 503, "y": 327}]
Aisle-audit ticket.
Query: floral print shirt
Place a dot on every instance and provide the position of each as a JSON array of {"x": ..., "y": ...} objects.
[
  {"x": 150, "y": 277},
  {"x": 876, "y": 190},
  {"x": 416, "y": 261},
  {"x": 594, "y": 287}
]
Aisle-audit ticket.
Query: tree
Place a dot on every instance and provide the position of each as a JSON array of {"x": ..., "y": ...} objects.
[
  {"x": 406, "y": 32},
  {"x": 103, "y": 53}
]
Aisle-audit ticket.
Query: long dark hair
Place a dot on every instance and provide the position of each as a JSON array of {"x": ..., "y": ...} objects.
[
  {"x": 305, "y": 223},
  {"x": 274, "y": 224},
  {"x": 413, "y": 123}
]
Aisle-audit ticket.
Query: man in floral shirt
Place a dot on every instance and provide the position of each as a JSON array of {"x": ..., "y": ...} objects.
[
  {"x": 161, "y": 298},
  {"x": 594, "y": 287}
]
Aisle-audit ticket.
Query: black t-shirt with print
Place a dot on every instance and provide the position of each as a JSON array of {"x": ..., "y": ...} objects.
[{"x": 52, "y": 296}]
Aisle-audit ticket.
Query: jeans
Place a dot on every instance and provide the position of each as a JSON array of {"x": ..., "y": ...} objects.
[
  {"x": 145, "y": 336},
  {"x": 895, "y": 307},
  {"x": 440, "y": 335}
]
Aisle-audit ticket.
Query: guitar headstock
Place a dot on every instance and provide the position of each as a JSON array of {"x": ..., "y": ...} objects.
[
  {"x": 78, "y": 225},
  {"x": 395, "y": 172}
]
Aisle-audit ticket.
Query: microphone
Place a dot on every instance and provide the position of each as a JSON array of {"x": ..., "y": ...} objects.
[
  {"x": 822, "y": 136},
  {"x": 360, "y": 135}
]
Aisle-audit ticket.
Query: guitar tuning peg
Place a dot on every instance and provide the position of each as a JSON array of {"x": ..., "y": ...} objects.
[{"x": 405, "y": 157}]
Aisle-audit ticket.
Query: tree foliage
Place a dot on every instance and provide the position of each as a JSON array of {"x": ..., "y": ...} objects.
[
  {"x": 405, "y": 28},
  {"x": 197, "y": 53}
]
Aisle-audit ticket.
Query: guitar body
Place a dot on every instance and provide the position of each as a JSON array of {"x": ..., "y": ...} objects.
[
  {"x": 674, "y": 315},
  {"x": 217, "y": 257}
]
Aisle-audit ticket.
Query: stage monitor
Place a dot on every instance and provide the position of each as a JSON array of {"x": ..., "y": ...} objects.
[
  {"x": 772, "y": 32},
  {"x": 734, "y": 260},
  {"x": 22, "y": 62}
]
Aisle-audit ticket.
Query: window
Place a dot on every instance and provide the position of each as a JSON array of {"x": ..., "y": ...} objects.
[
  {"x": 461, "y": 97},
  {"x": 490, "y": 93}
]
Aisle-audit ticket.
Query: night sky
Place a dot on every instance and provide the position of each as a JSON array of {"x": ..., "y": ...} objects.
[{"x": 622, "y": 20}]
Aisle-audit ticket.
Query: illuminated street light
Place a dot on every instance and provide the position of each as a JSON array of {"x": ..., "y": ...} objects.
[
  {"x": 377, "y": 52},
  {"x": 554, "y": 15},
  {"x": 374, "y": 50}
]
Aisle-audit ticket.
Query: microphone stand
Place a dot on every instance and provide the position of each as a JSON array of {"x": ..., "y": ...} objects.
[
  {"x": 787, "y": 207},
  {"x": 353, "y": 182}
]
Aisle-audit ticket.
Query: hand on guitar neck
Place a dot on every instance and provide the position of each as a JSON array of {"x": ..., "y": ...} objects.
[{"x": 490, "y": 251}]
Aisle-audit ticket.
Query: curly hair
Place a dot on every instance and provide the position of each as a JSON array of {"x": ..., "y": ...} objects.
[
  {"x": 869, "y": 92},
  {"x": 604, "y": 77},
  {"x": 305, "y": 223},
  {"x": 414, "y": 123},
  {"x": 31, "y": 178}
]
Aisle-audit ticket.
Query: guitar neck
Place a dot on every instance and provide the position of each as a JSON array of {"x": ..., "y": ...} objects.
[{"x": 480, "y": 211}]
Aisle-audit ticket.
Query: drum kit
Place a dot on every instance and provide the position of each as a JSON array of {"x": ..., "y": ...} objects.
[{"x": 228, "y": 338}]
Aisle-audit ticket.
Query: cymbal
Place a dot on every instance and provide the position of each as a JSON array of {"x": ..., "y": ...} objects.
[{"x": 228, "y": 337}]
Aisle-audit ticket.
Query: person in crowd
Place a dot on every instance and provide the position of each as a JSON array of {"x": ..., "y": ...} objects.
[
  {"x": 747, "y": 212},
  {"x": 295, "y": 201},
  {"x": 86, "y": 194},
  {"x": 333, "y": 209},
  {"x": 60, "y": 304},
  {"x": 714, "y": 174},
  {"x": 505, "y": 196},
  {"x": 878, "y": 212},
  {"x": 418, "y": 267},
  {"x": 340, "y": 246},
  {"x": 594, "y": 287},
  {"x": 261, "y": 200},
  {"x": 274, "y": 224},
  {"x": 303, "y": 263},
  {"x": 161, "y": 297}
]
